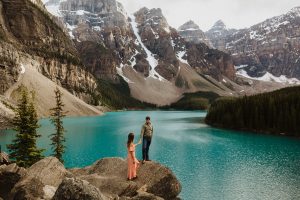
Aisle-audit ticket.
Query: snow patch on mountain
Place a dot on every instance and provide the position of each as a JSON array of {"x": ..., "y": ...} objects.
[
  {"x": 22, "y": 69},
  {"x": 120, "y": 72},
  {"x": 153, "y": 62},
  {"x": 268, "y": 77},
  {"x": 54, "y": 9},
  {"x": 180, "y": 55}
]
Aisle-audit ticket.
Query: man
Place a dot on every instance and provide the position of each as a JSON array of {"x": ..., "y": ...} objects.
[{"x": 146, "y": 135}]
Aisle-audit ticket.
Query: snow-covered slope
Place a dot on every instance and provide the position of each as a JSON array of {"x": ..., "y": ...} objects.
[
  {"x": 268, "y": 77},
  {"x": 272, "y": 46},
  {"x": 150, "y": 57}
]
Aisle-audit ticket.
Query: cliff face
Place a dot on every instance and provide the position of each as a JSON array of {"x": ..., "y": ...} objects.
[
  {"x": 101, "y": 32},
  {"x": 30, "y": 37},
  {"x": 271, "y": 46},
  {"x": 210, "y": 61}
]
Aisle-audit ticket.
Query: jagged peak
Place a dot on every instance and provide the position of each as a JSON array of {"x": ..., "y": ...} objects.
[
  {"x": 219, "y": 24},
  {"x": 143, "y": 10},
  {"x": 295, "y": 11},
  {"x": 152, "y": 11},
  {"x": 189, "y": 25}
]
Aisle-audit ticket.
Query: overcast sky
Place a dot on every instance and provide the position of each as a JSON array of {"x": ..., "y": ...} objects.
[{"x": 235, "y": 13}]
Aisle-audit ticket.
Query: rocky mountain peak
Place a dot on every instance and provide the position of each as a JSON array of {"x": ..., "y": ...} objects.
[
  {"x": 190, "y": 25},
  {"x": 295, "y": 10},
  {"x": 152, "y": 17},
  {"x": 218, "y": 26},
  {"x": 191, "y": 32}
]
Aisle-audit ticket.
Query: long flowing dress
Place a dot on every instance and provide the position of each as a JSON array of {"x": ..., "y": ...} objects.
[{"x": 132, "y": 167}]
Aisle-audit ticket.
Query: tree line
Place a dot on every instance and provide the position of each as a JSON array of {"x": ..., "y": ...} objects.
[
  {"x": 275, "y": 112},
  {"x": 24, "y": 150}
]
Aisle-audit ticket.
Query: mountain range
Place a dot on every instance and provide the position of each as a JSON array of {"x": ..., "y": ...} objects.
[
  {"x": 271, "y": 47},
  {"x": 101, "y": 56}
]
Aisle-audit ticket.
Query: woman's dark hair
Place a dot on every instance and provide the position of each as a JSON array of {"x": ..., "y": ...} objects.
[
  {"x": 147, "y": 118},
  {"x": 130, "y": 139}
]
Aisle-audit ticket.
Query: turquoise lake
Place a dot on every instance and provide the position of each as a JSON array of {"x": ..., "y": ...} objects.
[{"x": 211, "y": 164}]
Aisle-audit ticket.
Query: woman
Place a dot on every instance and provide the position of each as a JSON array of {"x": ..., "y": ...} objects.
[{"x": 133, "y": 163}]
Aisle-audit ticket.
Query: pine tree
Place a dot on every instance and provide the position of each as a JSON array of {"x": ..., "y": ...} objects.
[
  {"x": 23, "y": 148},
  {"x": 57, "y": 116}
]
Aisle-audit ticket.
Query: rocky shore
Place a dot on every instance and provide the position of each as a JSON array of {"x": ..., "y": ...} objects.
[{"x": 104, "y": 180}]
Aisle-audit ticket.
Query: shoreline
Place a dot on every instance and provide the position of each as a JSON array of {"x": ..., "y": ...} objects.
[
  {"x": 256, "y": 132},
  {"x": 6, "y": 125}
]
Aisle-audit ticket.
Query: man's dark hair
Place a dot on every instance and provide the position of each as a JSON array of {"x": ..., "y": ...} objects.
[{"x": 147, "y": 118}]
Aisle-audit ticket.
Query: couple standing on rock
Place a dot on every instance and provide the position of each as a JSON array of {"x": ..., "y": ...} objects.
[{"x": 146, "y": 135}]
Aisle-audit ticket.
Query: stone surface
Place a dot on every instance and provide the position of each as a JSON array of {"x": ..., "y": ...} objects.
[
  {"x": 76, "y": 189},
  {"x": 153, "y": 178},
  {"x": 105, "y": 179},
  {"x": 9, "y": 176},
  {"x": 36, "y": 182}
]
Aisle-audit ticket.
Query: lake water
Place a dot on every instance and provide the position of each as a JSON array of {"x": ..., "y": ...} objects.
[{"x": 212, "y": 164}]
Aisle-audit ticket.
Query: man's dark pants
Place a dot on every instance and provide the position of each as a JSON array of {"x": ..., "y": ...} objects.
[{"x": 146, "y": 145}]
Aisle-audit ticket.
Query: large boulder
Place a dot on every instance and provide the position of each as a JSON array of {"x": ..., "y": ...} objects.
[
  {"x": 105, "y": 179},
  {"x": 41, "y": 180},
  {"x": 77, "y": 189},
  {"x": 9, "y": 176},
  {"x": 109, "y": 175}
]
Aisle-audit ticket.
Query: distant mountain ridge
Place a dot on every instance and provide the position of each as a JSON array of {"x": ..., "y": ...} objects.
[{"x": 272, "y": 46}]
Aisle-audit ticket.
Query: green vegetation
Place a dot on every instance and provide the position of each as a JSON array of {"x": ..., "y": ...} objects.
[
  {"x": 118, "y": 96},
  {"x": 23, "y": 149},
  {"x": 57, "y": 138},
  {"x": 194, "y": 101},
  {"x": 276, "y": 112}
]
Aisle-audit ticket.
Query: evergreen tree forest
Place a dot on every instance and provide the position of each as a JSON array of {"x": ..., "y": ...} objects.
[{"x": 276, "y": 112}]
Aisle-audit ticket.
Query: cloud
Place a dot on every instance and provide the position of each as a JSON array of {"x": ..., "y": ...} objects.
[{"x": 235, "y": 13}]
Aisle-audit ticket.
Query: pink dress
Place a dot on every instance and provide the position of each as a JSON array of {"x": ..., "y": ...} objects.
[{"x": 132, "y": 167}]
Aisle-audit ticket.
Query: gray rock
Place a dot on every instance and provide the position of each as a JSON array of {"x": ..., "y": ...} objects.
[
  {"x": 76, "y": 189},
  {"x": 41, "y": 180},
  {"x": 153, "y": 178},
  {"x": 9, "y": 176}
]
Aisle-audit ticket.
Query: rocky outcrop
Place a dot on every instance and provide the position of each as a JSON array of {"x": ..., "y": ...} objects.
[
  {"x": 192, "y": 33},
  {"x": 271, "y": 46},
  {"x": 77, "y": 189},
  {"x": 153, "y": 178},
  {"x": 105, "y": 179},
  {"x": 9, "y": 176},
  {"x": 40, "y": 181}
]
